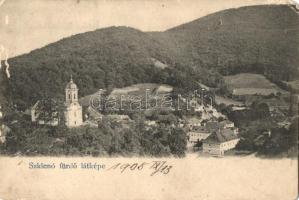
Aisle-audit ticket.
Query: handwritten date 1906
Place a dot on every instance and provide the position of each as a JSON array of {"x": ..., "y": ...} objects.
[{"x": 156, "y": 166}]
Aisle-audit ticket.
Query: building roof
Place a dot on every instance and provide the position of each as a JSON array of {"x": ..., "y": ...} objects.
[
  {"x": 194, "y": 120},
  {"x": 71, "y": 85},
  {"x": 93, "y": 113},
  {"x": 214, "y": 125},
  {"x": 221, "y": 136},
  {"x": 35, "y": 106},
  {"x": 226, "y": 122},
  {"x": 44, "y": 107},
  {"x": 200, "y": 130},
  {"x": 118, "y": 117}
]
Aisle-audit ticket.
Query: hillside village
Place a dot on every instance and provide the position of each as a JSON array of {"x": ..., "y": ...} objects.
[
  {"x": 207, "y": 130},
  {"x": 212, "y": 130},
  {"x": 224, "y": 84}
]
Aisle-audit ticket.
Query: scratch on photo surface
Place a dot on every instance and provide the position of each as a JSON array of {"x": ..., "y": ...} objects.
[
  {"x": 7, "y": 65},
  {"x": 4, "y": 52},
  {"x": 2, "y": 49}
]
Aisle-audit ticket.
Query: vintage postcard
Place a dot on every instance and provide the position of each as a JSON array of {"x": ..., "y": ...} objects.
[{"x": 149, "y": 99}]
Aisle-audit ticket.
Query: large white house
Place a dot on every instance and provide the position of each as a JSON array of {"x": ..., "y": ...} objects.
[
  {"x": 73, "y": 109},
  {"x": 220, "y": 141}
]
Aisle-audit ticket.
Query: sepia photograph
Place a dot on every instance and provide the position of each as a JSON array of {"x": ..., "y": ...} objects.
[{"x": 149, "y": 100}]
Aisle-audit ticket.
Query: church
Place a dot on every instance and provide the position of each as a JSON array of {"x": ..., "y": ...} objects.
[{"x": 73, "y": 110}]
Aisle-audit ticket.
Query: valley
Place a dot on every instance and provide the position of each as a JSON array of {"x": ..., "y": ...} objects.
[{"x": 235, "y": 70}]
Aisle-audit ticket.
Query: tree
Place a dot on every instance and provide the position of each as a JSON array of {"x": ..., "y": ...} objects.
[{"x": 177, "y": 142}]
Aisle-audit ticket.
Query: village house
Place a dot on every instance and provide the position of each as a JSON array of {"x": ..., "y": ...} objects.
[
  {"x": 227, "y": 124},
  {"x": 150, "y": 123},
  {"x": 91, "y": 123},
  {"x": 197, "y": 134},
  {"x": 43, "y": 116},
  {"x": 181, "y": 123},
  {"x": 219, "y": 142},
  {"x": 119, "y": 118},
  {"x": 235, "y": 108},
  {"x": 193, "y": 122}
]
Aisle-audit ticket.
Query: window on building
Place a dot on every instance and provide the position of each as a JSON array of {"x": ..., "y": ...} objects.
[
  {"x": 74, "y": 96},
  {"x": 75, "y": 123},
  {"x": 69, "y": 96}
]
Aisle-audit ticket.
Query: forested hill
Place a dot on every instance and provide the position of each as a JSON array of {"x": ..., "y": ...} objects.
[
  {"x": 261, "y": 39},
  {"x": 110, "y": 57}
]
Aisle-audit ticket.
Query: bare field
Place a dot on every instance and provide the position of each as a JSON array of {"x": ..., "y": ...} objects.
[
  {"x": 227, "y": 101},
  {"x": 251, "y": 84}
]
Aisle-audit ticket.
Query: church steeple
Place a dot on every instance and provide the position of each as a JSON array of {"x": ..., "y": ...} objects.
[
  {"x": 71, "y": 92},
  {"x": 73, "y": 109}
]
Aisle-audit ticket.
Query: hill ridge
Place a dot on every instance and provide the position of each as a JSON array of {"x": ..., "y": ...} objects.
[{"x": 118, "y": 56}]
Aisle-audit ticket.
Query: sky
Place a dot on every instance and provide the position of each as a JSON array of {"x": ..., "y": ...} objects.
[{"x": 26, "y": 25}]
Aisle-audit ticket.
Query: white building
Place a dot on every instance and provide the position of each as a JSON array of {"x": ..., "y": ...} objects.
[
  {"x": 228, "y": 124},
  {"x": 150, "y": 123},
  {"x": 197, "y": 135},
  {"x": 119, "y": 118},
  {"x": 73, "y": 110},
  {"x": 219, "y": 142}
]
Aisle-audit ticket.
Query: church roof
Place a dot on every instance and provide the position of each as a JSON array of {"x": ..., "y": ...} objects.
[{"x": 71, "y": 85}]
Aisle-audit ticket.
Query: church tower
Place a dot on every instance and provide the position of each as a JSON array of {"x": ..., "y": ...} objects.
[{"x": 73, "y": 111}]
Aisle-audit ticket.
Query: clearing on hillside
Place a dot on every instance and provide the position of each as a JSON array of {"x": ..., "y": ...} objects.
[{"x": 250, "y": 84}]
